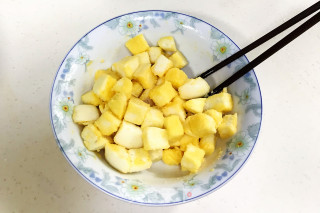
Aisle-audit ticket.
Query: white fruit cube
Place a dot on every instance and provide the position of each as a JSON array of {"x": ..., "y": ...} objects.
[
  {"x": 216, "y": 115},
  {"x": 129, "y": 136},
  {"x": 127, "y": 66},
  {"x": 174, "y": 127},
  {"x": 221, "y": 102},
  {"x": 144, "y": 76},
  {"x": 153, "y": 118},
  {"x": 137, "y": 44},
  {"x": 163, "y": 94},
  {"x": 107, "y": 123},
  {"x": 201, "y": 124},
  {"x": 167, "y": 43},
  {"x": 154, "y": 53},
  {"x": 93, "y": 139},
  {"x": 123, "y": 85},
  {"x": 207, "y": 144},
  {"x": 118, "y": 104},
  {"x": 136, "y": 89},
  {"x": 228, "y": 126},
  {"x": 192, "y": 159},
  {"x": 84, "y": 114},
  {"x": 195, "y": 105},
  {"x": 139, "y": 159},
  {"x": 103, "y": 87},
  {"x": 194, "y": 88},
  {"x": 136, "y": 111},
  {"x": 118, "y": 157},
  {"x": 143, "y": 58},
  {"x": 161, "y": 66},
  {"x": 175, "y": 108},
  {"x": 156, "y": 155},
  {"x": 176, "y": 76},
  {"x": 91, "y": 98},
  {"x": 155, "y": 138},
  {"x": 178, "y": 60}
]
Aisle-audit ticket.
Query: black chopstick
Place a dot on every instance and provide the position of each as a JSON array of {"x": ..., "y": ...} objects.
[{"x": 280, "y": 44}]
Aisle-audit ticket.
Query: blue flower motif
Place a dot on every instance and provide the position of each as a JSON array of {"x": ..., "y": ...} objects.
[
  {"x": 244, "y": 97},
  {"x": 63, "y": 76},
  {"x": 224, "y": 174},
  {"x": 82, "y": 58},
  {"x": 240, "y": 144}
]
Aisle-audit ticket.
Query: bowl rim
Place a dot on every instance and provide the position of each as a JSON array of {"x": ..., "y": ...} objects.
[{"x": 133, "y": 201}]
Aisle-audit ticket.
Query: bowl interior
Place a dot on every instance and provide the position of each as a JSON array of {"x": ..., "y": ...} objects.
[{"x": 204, "y": 46}]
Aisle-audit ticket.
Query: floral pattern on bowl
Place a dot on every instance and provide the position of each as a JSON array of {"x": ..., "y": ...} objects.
[{"x": 204, "y": 46}]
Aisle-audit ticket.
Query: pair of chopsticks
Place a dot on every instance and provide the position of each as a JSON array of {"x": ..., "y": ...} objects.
[{"x": 273, "y": 49}]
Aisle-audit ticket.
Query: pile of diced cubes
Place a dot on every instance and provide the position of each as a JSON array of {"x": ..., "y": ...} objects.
[{"x": 144, "y": 109}]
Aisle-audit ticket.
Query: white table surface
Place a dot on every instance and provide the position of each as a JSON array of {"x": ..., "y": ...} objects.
[{"x": 283, "y": 172}]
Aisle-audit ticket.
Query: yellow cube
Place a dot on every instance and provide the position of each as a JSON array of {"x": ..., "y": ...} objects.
[
  {"x": 201, "y": 124},
  {"x": 154, "y": 53},
  {"x": 216, "y": 115},
  {"x": 160, "y": 81},
  {"x": 228, "y": 126},
  {"x": 167, "y": 43},
  {"x": 188, "y": 139},
  {"x": 194, "y": 88},
  {"x": 136, "y": 111},
  {"x": 155, "y": 138},
  {"x": 187, "y": 129},
  {"x": 153, "y": 118},
  {"x": 144, "y": 76},
  {"x": 103, "y": 107},
  {"x": 161, "y": 66},
  {"x": 103, "y": 87},
  {"x": 175, "y": 108},
  {"x": 107, "y": 123},
  {"x": 84, "y": 114},
  {"x": 118, "y": 104},
  {"x": 174, "y": 127},
  {"x": 145, "y": 97},
  {"x": 91, "y": 98},
  {"x": 208, "y": 144},
  {"x": 140, "y": 159},
  {"x": 178, "y": 60},
  {"x": 129, "y": 136},
  {"x": 156, "y": 155},
  {"x": 221, "y": 102},
  {"x": 92, "y": 138},
  {"x": 123, "y": 85},
  {"x": 176, "y": 76},
  {"x": 192, "y": 159},
  {"x": 163, "y": 94},
  {"x": 195, "y": 105},
  {"x": 108, "y": 72},
  {"x": 136, "y": 89},
  {"x": 172, "y": 156},
  {"x": 137, "y": 44},
  {"x": 126, "y": 66},
  {"x": 143, "y": 58}
]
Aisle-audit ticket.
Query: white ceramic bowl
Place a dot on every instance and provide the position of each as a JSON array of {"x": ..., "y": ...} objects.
[{"x": 204, "y": 46}]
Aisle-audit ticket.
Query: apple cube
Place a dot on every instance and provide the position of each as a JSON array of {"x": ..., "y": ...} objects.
[
  {"x": 176, "y": 76},
  {"x": 136, "y": 89},
  {"x": 192, "y": 159},
  {"x": 228, "y": 126},
  {"x": 161, "y": 66},
  {"x": 195, "y": 105},
  {"x": 201, "y": 124},
  {"x": 129, "y": 136},
  {"x": 136, "y": 111},
  {"x": 194, "y": 88},
  {"x": 143, "y": 58},
  {"x": 175, "y": 108},
  {"x": 178, "y": 60},
  {"x": 137, "y": 44},
  {"x": 103, "y": 87},
  {"x": 216, "y": 115},
  {"x": 153, "y": 118},
  {"x": 85, "y": 114},
  {"x": 174, "y": 127},
  {"x": 139, "y": 159},
  {"x": 207, "y": 144},
  {"x": 221, "y": 102},
  {"x": 118, "y": 104},
  {"x": 144, "y": 76},
  {"x": 92, "y": 138},
  {"x": 172, "y": 156},
  {"x": 156, "y": 155},
  {"x": 118, "y": 157},
  {"x": 91, "y": 98},
  {"x": 126, "y": 66},
  {"x": 108, "y": 71},
  {"x": 107, "y": 123},
  {"x": 123, "y": 85},
  {"x": 167, "y": 43},
  {"x": 154, "y": 53},
  {"x": 162, "y": 94},
  {"x": 155, "y": 138}
]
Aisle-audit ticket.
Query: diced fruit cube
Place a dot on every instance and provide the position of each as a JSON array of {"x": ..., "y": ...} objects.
[
  {"x": 155, "y": 138},
  {"x": 154, "y": 53},
  {"x": 228, "y": 126},
  {"x": 126, "y": 66},
  {"x": 221, "y": 102},
  {"x": 176, "y": 76},
  {"x": 144, "y": 76},
  {"x": 103, "y": 87},
  {"x": 194, "y": 88},
  {"x": 91, "y": 98},
  {"x": 123, "y": 85},
  {"x": 107, "y": 123},
  {"x": 143, "y": 58},
  {"x": 129, "y": 136},
  {"x": 187, "y": 129},
  {"x": 188, "y": 139},
  {"x": 108, "y": 72},
  {"x": 145, "y": 97},
  {"x": 208, "y": 144},
  {"x": 153, "y": 118},
  {"x": 137, "y": 44},
  {"x": 136, "y": 89},
  {"x": 216, "y": 115},
  {"x": 84, "y": 114},
  {"x": 92, "y": 138},
  {"x": 201, "y": 124},
  {"x": 192, "y": 159},
  {"x": 174, "y": 127},
  {"x": 172, "y": 156},
  {"x": 167, "y": 43},
  {"x": 163, "y": 94},
  {"x": 156, "y": 155},
  {"x": 178, "y": 60},
  {"x": 140, "y": 160},
  {"x": 118, "y": 104},
  {"x": 103, "y": 107},
  {"x": 160, "y": 81},
  {"x": 136, "y": 111},
  {"x": 161, "y": 66},
  {"x": 195, "y": 105},
  {"x": 175, "y": 108}
]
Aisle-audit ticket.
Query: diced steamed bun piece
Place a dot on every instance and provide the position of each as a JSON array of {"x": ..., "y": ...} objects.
[{"x": 145, "y": 109}]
